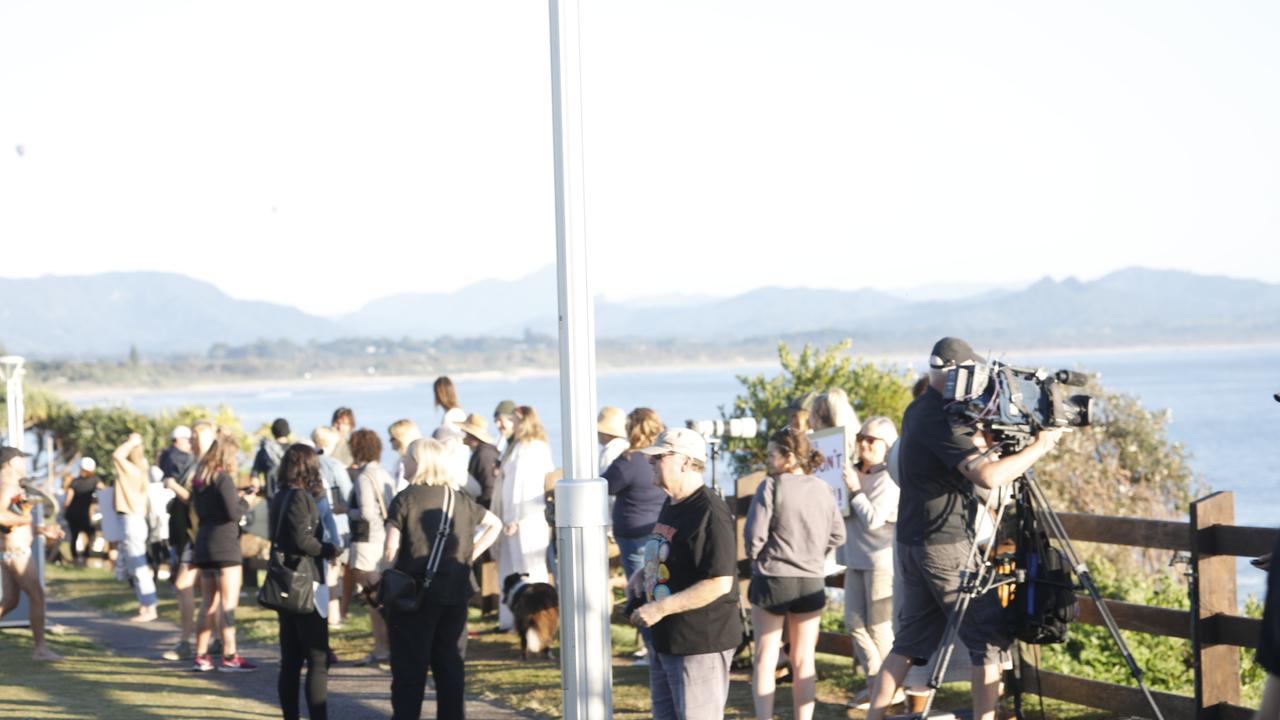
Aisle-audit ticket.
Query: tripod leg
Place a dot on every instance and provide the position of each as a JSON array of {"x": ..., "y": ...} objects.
[{"x": 1059, "y": 533}]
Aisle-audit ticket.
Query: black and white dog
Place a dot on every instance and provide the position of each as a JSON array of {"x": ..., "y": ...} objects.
[{"x": 536, "y": 608}]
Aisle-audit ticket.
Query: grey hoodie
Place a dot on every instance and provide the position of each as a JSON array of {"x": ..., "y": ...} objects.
[{"x": 806, "y": 525}]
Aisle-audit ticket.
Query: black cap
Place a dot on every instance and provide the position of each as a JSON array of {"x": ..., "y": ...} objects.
[
  {"x": 8, "y": 453},
  {"x": 280, "y": 428},
  {"x": 952, "y": 351}
]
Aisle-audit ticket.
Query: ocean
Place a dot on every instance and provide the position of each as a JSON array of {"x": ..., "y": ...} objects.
[{"x": 1219, "y": 400}]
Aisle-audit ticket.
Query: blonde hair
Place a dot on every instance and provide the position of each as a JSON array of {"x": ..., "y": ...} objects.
[
  {"x": 834, "y": 410},
  {"x": 424, "y": 463},
  {"x": 403, "y": 433},
  {"x": 528, "y": 426},
  {"x": 221, "y": 457},
  {"x": 325, "y": 437},
  {"x": 643, "y": 427}
]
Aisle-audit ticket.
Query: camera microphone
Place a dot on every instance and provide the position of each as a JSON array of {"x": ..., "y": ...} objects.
[{"x": 1072, "y": 378}]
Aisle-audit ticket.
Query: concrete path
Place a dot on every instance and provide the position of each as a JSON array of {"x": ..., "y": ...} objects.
[{"x": 355, "y": 693}]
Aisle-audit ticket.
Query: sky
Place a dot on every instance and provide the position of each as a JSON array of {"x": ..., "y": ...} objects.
[{"x": 325, "y": 154}]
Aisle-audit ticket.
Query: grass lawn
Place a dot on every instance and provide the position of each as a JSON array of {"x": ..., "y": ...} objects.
[
  {"x": 494, "y": 670},
  {"x": 94, "y": 683}
]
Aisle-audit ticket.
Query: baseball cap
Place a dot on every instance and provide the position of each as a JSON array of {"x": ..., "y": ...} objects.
[
  {"x": 8, "y": 453},
  {"x": 951, "y": 351},
  {"x": 88, "y": 464},
  {"x": 679, "y": 440},
  {"x": 182, "y": 432},
  {"x": 506, "y": 407}
]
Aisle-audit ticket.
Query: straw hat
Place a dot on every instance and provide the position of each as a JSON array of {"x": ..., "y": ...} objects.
[
  {"x": 612, "y": 421},
  {"x": 476, "y": 427}
]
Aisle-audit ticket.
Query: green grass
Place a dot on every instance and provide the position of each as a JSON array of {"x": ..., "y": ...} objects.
[
  {"x": 92, "y": 682},
  {"x": 494, "y": 669}
]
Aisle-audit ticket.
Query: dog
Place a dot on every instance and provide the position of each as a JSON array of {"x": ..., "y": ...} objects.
[{"x": 536, "y": 608}]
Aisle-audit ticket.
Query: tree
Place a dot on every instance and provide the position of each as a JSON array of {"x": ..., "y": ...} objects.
[{"x": 872, "y": 389}]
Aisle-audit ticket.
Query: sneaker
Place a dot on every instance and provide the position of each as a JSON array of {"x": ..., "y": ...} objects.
[
  {"x": 371, "y": 659},
  {"x": 861, "y": 700},
  {"x": 640, "y": 662},
  {"x": 181, "y": 651},
  {"x": 202, "y": 663},
  {"x": 642, "y": 652},
  {"x": 236, "y": 663}
]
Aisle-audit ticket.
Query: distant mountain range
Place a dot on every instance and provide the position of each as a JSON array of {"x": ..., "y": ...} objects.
[{"x": 162, "y": 314}]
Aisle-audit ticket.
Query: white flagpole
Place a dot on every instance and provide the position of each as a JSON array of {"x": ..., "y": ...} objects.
[{"x": 582, "y": 497}]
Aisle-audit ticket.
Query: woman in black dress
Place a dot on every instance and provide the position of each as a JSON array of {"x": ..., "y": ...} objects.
[
  {"x": 429, "y": 638},
  {"x": 79, "y": 500},
  {"x": 296, "y": 532},
  {"x": 218, "y": 507}
]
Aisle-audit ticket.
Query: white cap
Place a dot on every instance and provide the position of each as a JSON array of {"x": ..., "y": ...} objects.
[
  {"x": 88, "y": 464},
  {"x": 679, "y": 440},
  {"x": 182, "y": 432}
]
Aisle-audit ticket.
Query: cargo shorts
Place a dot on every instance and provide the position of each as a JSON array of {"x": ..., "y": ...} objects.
[{"x": 930, "y": 585}]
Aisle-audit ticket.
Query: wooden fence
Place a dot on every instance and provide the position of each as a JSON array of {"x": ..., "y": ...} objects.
[{"x": 1215, "y": 630}]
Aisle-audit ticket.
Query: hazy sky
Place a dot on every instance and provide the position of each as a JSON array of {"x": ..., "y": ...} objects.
[{"x": 324, "y": 154}]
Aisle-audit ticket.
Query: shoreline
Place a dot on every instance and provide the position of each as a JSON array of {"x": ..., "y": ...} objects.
[{"x": 909, "y": 362}]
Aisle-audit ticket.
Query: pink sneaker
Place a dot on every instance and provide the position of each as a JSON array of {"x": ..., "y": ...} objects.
[
  {"x": 202, "y": 663},
  {"x": 236, "y": 663}
]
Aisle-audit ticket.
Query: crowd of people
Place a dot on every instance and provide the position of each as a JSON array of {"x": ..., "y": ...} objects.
[{"x": 915, "y": 504}]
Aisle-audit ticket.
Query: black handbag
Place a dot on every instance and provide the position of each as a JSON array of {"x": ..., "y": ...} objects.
[
  {"x": 287, "y": 589},
  {"x": 398, "y": 591}
]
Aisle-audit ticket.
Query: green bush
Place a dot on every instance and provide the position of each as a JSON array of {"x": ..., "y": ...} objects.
[{"x": 872, "y": 389}]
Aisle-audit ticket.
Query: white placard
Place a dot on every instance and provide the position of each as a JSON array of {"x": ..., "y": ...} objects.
[{"x": 831, "y": 443}]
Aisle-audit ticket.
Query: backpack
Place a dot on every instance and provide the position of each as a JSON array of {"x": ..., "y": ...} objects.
[
  {"x": 1044, "y": 603},
  {"x": 270, "y": 454}
]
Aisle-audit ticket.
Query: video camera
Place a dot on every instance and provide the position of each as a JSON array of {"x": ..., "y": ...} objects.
[
  {"x": 1014, "y": 402},
  {"x": 713, "y": 430}
]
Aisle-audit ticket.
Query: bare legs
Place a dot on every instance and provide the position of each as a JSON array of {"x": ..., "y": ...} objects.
[
  {"x": 19, "y": 575},
  {"x": 184, "y": 583},
  {"x": 803, "y": 630},
  {"x": 220, "y": 589},
  {"x": 381, "y": 647},
  {"x": 986, "y": 687}
]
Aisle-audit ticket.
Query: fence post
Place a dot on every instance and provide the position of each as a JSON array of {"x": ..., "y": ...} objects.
[{"x": 1217, "y": 665}]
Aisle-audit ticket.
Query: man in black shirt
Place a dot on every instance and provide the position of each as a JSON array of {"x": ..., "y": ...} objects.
[
  {"x": 942, "y": 469},
  {"x": 687, "y": 585}
]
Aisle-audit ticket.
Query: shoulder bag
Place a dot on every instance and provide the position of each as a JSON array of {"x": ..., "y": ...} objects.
[
  {"x": 401, "y": 592},
  {"x": 287, "y": 589}
]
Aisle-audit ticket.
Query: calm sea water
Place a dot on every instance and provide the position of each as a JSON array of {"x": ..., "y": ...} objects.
[{"x": 1220, "y": 402}]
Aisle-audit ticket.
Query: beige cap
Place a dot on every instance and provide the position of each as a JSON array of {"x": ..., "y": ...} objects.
[
  {"x": 680, "y": 440},
  {"x": 476, "y": 427},
  {"x": 612, "y": 421}
]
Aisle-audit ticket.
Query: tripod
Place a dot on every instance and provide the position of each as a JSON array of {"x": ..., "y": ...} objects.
[{"x": 976, "y": 582}]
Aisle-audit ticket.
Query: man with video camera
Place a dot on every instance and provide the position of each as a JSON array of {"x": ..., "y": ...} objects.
[{"x": 942, "y": 468}]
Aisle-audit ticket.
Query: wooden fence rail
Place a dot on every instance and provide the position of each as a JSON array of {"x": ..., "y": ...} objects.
[{"x": 1212, "y": 625}]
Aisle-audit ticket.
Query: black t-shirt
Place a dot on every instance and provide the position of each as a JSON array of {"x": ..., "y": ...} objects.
[
  {"x": 692, "y": 541},
  {"x": 639, "y": 501},
  {"x": 417, "y": 513},
  {"x": 935, "y": 507},
  {"x": 219, "y": 507},
  {"x": 174, "y": 462},
  {"x": 82, "y": 495}
]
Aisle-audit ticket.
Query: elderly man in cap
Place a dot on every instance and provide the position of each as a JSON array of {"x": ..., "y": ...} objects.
[
  {"x": 18, "y": 569},
  {"x": 687, "y": 586},
  {"x": 942, "y": 472}
]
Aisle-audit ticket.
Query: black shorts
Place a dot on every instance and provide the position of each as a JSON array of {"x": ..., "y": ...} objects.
[
  {"x": 782, "y": 595},
  {"x": 212, "y": 567}
]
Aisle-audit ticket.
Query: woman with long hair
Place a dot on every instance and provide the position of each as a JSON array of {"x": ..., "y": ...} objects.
[
  {"x": 792, "y": 524},
  {"x": 401, "y": 433},
  {"x": 295, "y": 531},
  {"x": 446, "y": 399},
  {"x": 374, "y": 490},
  {"x": 429, "y": 638},
  {"x": 218, "y": 508},
  {"x": 522, "y": 505}
]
